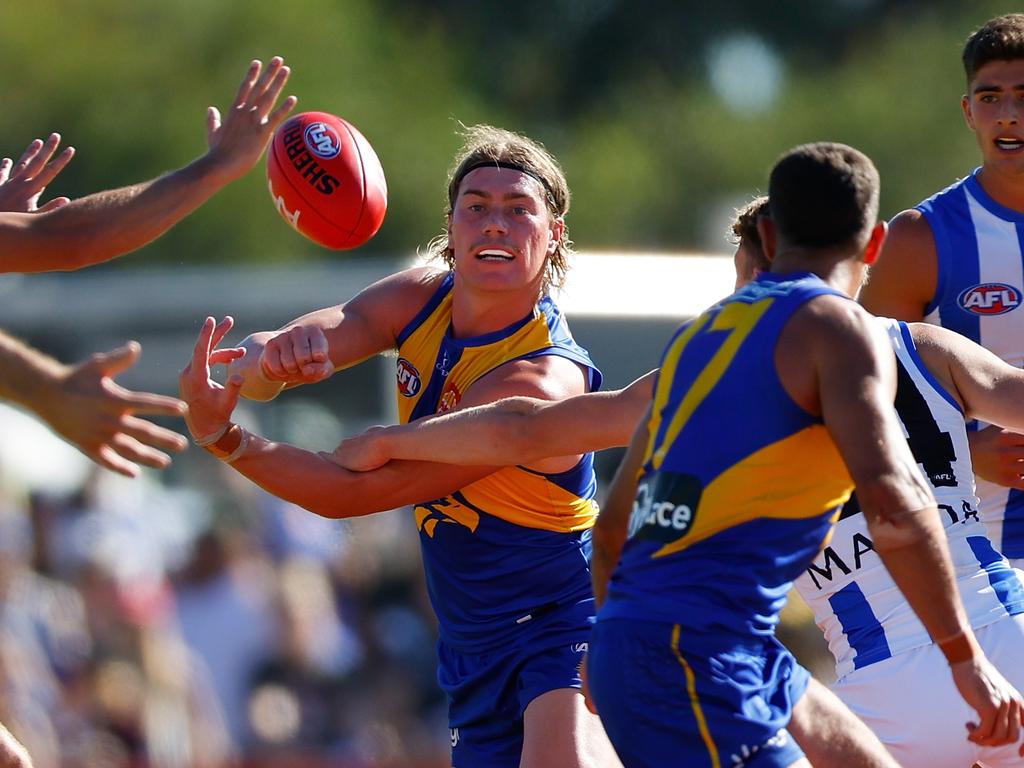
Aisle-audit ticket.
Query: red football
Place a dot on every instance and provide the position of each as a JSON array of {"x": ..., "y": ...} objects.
[{"x": 326, "y": 180}]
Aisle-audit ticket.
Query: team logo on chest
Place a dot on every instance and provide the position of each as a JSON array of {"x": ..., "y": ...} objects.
[
  {"x": 449, "y": 399},
  {"x": 989, "y": 299},
  {"x": 409, "y": 381}
]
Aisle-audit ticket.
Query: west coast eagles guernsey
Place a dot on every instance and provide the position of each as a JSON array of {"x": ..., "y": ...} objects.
[
  {"x": 978, "y": 243},
  {"x": 740, "y": 486},
  {"x": 515, "y": 545},
  {"x": 856, "y": 604}
]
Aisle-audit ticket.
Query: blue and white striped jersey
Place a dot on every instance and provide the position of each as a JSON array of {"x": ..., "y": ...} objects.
[
  {"x": 980, "y": 248},
  {"x": 856, "y": 604}
]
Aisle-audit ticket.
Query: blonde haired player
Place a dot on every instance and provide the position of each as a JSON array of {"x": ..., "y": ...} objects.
[{"x": 506, "y": 551}]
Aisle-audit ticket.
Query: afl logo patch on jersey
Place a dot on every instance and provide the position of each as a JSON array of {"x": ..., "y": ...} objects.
[
  {"x": 989, "y": 299},
  {"x": 408, "y": 378},
  {"x": 322, "y": 140}
]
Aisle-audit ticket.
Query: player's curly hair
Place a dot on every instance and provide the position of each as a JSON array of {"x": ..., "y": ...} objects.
[
  {"x": 744, "y": 228},
  {"x": 487, "y": 144},
  {"x": 998, "y": 39}
]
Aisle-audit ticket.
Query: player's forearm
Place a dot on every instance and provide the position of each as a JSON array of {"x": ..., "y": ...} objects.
[
  {"x": 912, "y": 545},
  {"x": 314, "y": 482},
  {"x": 612, "y": 527},
  {"x": 107, "y": 224},
  {"x": 493, "y": 435},
  {"x": 27, "y": 376}
]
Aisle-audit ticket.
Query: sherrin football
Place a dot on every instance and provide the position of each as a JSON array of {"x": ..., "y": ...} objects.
[{"x": 326, "y": 180}]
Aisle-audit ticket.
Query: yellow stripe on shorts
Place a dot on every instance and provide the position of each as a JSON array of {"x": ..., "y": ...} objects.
[{"x": 698, "y": 713}]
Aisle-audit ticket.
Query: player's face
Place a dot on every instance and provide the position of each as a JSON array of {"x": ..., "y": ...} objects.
[
  {"x": 994, "y": 110},
  {"x": 501, "y": 230}
]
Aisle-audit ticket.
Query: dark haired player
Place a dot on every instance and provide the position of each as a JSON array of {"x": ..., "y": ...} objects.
[{"x": 957, "y": 259}]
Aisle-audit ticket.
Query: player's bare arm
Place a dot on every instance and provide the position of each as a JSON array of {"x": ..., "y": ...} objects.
[
  {"x": 512, "y": 430},
  {"x": 104, "y": 225},
  {"x": 855, "y": 373},
  {"x": 902, "y": 282},
  {"x": 549, "y": 378},
  {"x": 989, "y": 389},
  {"x": 612, "y": 524},
  {"x": 85, "y": 406},
  {"x": 302, "y": 477},
  {"x": 312, "y": 347}
]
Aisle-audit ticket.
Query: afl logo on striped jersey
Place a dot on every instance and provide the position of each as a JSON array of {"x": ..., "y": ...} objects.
[
  {"x": 989, "y": 299},
  {"x": 408, "y": 378}
]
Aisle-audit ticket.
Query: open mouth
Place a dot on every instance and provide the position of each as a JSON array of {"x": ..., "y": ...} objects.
[
  {"x": 1009, "y": 144},
  {"x": 494, "y": 254}
]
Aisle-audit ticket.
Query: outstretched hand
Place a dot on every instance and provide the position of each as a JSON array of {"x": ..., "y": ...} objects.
[
  {"x": 210, "y": 405},
  {"x": 22, "y": 183},
  {"x": 98, "y": 416},
  {"x": 247, "y": 127}
]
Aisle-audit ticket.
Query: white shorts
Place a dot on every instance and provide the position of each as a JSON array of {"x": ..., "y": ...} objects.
[{"x": 912, "y": 705}]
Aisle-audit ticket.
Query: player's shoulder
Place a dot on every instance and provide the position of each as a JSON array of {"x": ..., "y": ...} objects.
[
  {"x": 832, "y": 321},
  {"x": 909, "y": 228},
  {"x": 407, "y": 290}
]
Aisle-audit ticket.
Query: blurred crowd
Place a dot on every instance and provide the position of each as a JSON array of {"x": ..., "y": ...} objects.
[{"x": 208, "y": 624}]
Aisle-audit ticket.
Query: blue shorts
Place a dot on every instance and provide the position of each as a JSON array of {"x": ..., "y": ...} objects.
[
  {"x": 671, "y": 697},
  {"x": 489, "y": 692}
]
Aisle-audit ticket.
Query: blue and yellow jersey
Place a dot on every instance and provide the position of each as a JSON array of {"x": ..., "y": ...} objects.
[
  {"x": 740, "y": 485},
  {"x": 515, "y": 544}
]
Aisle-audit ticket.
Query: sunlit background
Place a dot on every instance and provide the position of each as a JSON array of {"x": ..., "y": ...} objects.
[{"x": 186, "y": 619}]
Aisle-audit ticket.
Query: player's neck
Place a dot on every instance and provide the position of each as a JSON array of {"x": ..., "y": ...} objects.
[
  {"x": 842, "y": 272},
  {"x": 1007, "y": 189},
  {"x": 475, "y": 313}
]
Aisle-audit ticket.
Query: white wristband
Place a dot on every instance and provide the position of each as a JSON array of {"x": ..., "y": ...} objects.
[{"x": 213, "y": 437}]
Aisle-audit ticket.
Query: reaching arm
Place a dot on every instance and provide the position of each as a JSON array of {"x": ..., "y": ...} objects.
[
  {"x": 989, "y": 389},
  {"x": 313, "y": 480},
  {"x": 107, "y": 224},
  {"x": 903, "y": 281},
  {"x": 85, "y": 406},
  {"x": 856, "y": 375},
  {"x": 612, "y": 526},
  {"x": 515, "y": 430},
  {"x": 312, "y": 347}
]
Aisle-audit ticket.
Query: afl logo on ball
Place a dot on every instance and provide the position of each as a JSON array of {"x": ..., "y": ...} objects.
[
  {"x": 322, "y": 140},
  {"x": 408, "y": 378},
  {"x": 989, "y": 299}
]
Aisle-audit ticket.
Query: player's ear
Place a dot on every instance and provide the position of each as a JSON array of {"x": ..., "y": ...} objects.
[
  {"x": 766, "y": 231},
  {"x": 557, "y": 231},
  {"x": 965, "y": 106},
  {"x": 874, "y": 246}
]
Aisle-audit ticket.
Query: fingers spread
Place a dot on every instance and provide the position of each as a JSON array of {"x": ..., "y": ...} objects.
[
  {"x": 226, "y": 355},
  {"x": 107, "y": 457},
  {"x": 117, "y": 360},
  {"x": 251, "y": 76},
  {"x": 221, "y": 330},
  {"x": 149, "y": 403},
  {"x": 151, "y": 434},
  {"x": 130, "y": 448},
  {"x": 201, "y": 352}
]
